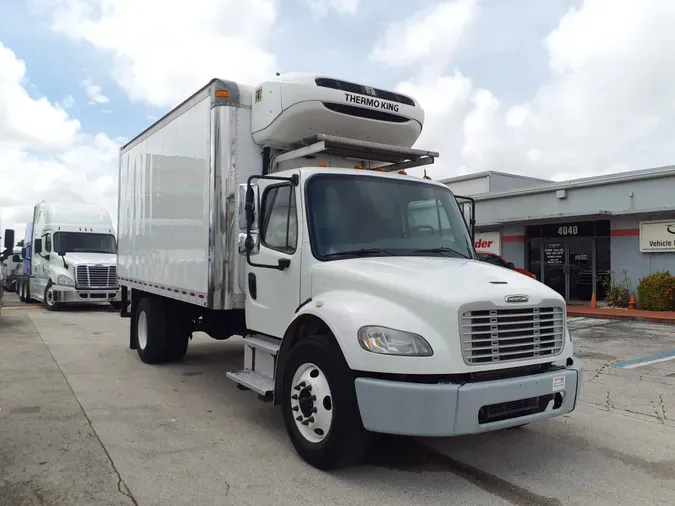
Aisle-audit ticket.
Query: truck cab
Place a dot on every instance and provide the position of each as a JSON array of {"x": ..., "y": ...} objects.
[
  {"x": 8, "y": 243},
  {"x": 13, "y": 267},
  {"x": 72, "y": 256}
]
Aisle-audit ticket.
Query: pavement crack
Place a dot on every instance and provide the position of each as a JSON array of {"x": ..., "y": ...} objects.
[
  {"x": 601, "y": 370},
  {"x": 515, "y": 494},
  {"x": 609, "y": 403},
  {"x": 662, "y": 405},
  {"x": 121, "y": 485}
]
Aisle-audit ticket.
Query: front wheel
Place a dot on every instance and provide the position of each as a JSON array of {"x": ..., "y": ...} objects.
[
  {"x": 319, "y": 405},
  {"x": 50, "y": 302}
]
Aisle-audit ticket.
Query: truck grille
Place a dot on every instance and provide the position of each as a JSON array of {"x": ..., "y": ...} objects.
[
  {"x": 90, "y": 276},
  {"x": 505, "y": 335}
]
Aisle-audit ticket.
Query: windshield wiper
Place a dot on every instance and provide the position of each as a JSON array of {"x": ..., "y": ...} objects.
[
  {"x": 441, "y": 250},
  {"x": 360, "y": 252}
]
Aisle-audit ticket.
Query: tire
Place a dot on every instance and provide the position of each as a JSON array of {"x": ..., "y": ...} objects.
[
  {"x": 50, "y": 296},
  {"x": 150, "y": 324},
  {"x": 22, "y": 291},
  {"x": 341, "y": 441}
]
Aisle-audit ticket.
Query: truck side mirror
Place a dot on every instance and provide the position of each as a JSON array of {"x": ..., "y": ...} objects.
[
  {"x": 9, "y": 238},
  {"x": 247, "y": 204},
  {"x": 37, "y": 246}
]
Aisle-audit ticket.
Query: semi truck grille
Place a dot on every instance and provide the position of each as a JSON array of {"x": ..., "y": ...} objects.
[
  {"x": 506, "y": 335},
  {"x": 90, "y": 276}
]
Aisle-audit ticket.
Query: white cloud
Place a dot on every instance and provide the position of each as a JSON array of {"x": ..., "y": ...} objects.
[
  {"x": 430, "y": 37},
  {"x": 25, "y": 121},
  {"x": 323, "y": 7},
  {"x": 608, "y": 96},
  {"x": 68, "y": 102},
  {"x": 94, "y": 92},
  {"x": 163, "y": 51},
  {"x": 43, "y": 153}
]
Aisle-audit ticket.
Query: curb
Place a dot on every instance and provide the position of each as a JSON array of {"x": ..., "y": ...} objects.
[{"x": 650, "y": 319}]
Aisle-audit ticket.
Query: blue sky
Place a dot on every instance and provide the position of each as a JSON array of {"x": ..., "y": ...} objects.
[
  {"x": 339, "y": 46},
  {"x": 556, "y": 88}
]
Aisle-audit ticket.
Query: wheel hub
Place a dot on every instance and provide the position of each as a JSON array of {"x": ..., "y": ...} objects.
[{"x": 311, "y": 403}]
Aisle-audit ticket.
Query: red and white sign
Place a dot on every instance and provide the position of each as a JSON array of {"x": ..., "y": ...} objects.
[{"x": 488, "y": 241}]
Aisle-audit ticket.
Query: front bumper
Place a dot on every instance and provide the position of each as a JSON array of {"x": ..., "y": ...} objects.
[
  {"x": 451, "y": 409},
  {"x": 70, "y": 295}
]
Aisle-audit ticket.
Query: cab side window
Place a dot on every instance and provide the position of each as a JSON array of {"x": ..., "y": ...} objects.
[{"x": 279, "y": 228}]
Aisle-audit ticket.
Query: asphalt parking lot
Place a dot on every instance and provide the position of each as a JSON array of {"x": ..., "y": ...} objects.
[{"x": 84, "y": 422}]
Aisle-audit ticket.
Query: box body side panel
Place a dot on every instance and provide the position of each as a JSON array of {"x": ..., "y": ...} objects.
[{"x": 165, "y": 206}]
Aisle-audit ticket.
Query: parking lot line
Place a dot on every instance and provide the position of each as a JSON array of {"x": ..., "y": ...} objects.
[{"x": 651, "y": 359}]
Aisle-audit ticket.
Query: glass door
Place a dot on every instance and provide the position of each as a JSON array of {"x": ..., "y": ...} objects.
[
  {"x": 555, "y": 263},
  {"x": 580, "y": 260}
]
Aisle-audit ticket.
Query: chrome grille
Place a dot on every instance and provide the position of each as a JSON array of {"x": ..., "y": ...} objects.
[
  {"x": 94, "y": 276},
  {"x": 506, "y": 335}
]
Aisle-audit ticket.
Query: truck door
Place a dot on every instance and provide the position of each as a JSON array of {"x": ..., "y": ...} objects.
[{"x": 273, "y": 274}]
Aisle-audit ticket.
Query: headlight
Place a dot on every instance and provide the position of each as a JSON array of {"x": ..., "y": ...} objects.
[
  {"x": 393, "y": 342},
  {"x": 64, "y": 280}
]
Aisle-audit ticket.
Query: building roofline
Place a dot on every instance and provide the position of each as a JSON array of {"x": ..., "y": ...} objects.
[
  {"x": 616, "y": 177},
  {"x": 488, "y": 173}
]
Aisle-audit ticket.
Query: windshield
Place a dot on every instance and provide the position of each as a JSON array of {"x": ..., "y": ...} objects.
[
  {"x": 76, "y": 242},
  {"x": 359, "y": 215}
]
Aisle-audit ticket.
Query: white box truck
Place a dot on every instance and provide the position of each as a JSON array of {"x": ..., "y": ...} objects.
[
  {"x": 282, "y": 213},
  {"x": 8, "y": 243},
  {"x": 70, "y": 256}
]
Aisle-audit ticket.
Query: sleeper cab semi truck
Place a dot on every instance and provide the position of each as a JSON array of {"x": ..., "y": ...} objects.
[
  {"x": 69, "y": 256},
  {"x": 8, "y": 245},
  {"x": 283, "y": 213}
]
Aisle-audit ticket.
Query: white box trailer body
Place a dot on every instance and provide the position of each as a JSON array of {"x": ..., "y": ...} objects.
[
  {"x": 72, "y": 257},
  {"x": 283, "y": 213}
]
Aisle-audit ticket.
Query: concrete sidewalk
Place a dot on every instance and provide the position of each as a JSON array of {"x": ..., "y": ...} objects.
[{"x": 49, "y": 453}]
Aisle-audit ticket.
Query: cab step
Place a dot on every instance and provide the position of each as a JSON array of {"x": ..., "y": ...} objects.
[
  {"x": 263, "y": 343},
  {"x": 253, "y": 381},
  {"x": 260, "y": 353}
]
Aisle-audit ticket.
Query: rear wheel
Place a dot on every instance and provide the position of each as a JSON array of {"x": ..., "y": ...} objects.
[
  {"x": 22, "y": 288},
  {"x": 319, "y": 405},
  {"x": 161, "y": 335}
]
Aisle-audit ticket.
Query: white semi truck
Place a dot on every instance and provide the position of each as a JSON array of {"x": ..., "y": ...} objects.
[
  {"x": 69, "y": 256},
  {"x": 8, "y": 243},
  {"x": 282, "y": 213},
  {"x": 13, "y": 267}
]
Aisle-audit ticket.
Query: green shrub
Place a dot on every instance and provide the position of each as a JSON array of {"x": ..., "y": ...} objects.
[
  {"x": 617, "y": 293},
  {"x": 656, "y": 292}
]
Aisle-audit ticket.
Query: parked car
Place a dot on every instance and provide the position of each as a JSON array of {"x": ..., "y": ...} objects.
[{"x": 493, "y": 258}]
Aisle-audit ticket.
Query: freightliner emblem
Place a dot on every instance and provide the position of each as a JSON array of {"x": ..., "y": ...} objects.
[{"x": 517, "y": 298}]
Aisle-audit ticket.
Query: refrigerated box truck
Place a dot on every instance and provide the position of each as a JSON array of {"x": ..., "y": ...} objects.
[
  {"x": 283, "y": 213},
  {"x": 69, "y": 256}
]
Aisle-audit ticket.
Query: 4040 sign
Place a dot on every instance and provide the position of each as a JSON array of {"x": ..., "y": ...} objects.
[{"x": 568, "y": 230}]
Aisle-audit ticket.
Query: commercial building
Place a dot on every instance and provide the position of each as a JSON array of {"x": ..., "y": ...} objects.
[{"x": 572, "y": 234}]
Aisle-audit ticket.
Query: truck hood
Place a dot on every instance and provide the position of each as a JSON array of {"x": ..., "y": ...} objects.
[
  {"x": 439, "y": 281},
  {"x": 91, "y": 258}
]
